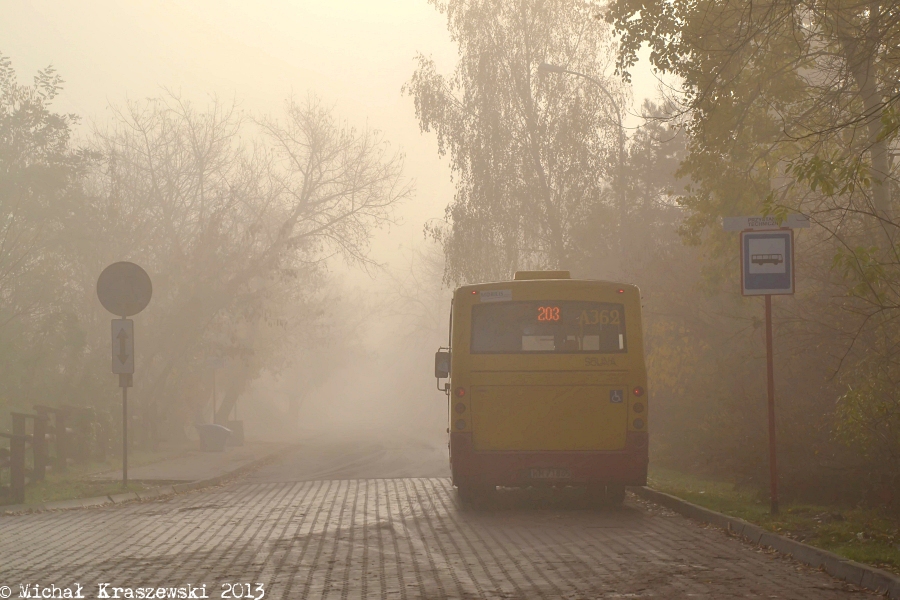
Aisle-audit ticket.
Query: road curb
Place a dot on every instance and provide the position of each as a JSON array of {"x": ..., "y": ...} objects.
[
  {"x": 123, "y": 497},
  {"x": 146, "y": 495},
  {"x": 837, "y": 566}
]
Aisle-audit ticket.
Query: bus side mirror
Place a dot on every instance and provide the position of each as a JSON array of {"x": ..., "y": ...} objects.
[{"x": 441, "y": 364}]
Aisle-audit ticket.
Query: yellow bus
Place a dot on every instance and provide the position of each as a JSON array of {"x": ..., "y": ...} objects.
[{"x": 547, "y": 385}]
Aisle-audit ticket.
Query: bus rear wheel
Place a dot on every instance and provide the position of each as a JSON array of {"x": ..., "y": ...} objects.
[
  {"x": 474, "y": 494},
  {"x": 615, "y": 494},
  {"x": 606, "y": 495}
]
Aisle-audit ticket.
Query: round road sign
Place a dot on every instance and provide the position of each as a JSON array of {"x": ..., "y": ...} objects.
[{"x": 124, "y": 289}]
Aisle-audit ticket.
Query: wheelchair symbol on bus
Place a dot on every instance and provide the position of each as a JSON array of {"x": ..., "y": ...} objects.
[{"x": 616, "y": 396}]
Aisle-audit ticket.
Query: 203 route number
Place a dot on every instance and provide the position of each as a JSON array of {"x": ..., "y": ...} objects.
[{"x": 243, "y": 590}]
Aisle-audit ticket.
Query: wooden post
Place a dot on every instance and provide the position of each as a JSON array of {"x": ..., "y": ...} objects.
[
  {"x": 49, "y": 430},
  {"x": 102, "y": 440},
  {"x": 80, "y": 447},
  {"x": 16, "y": 494},
  {"x": 60, "y": 436},
  {"x": 17, "y": 459},
  {"x": 62, "y": 441},
  {"x": 39, "y": 448},
  {"x": 75, "y": 439},
  {"x": 214, "y": 397},
  {"x": 4, "y": 464}
]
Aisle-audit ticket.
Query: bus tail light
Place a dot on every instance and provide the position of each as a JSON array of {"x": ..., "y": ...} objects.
[
  {"x": 461, "y": 408},
  {"x": 638, "y": 391},
  {"x": 461, "y": 424},
  {"x": 638, "y": 423},
  {"x": 636, "y": 407},
  {"x": 635, "y": 440},
  {"x": 460, "y": 392}
]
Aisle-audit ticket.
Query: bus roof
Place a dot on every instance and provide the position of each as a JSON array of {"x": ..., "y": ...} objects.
[
  {"x": 565, "y": 283},
  {"x": 528, "y": 275}
]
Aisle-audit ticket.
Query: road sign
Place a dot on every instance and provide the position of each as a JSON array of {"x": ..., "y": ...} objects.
[
  {"x": 124, "y": 289},
  {"x": 767, "y": 262},
  {"x": 794, "y": 221},
  {"x": 767, "y": 269},
  {"x": 122, "y": 346}
]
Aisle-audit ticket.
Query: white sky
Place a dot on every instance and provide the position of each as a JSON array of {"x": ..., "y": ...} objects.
[{"x": 355, "y": 54}]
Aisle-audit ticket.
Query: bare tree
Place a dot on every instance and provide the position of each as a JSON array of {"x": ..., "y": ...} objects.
[{"x": 232, "y": 233}]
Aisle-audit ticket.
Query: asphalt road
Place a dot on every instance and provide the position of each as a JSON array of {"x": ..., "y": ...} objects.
[{"x": 379, "y": 519}]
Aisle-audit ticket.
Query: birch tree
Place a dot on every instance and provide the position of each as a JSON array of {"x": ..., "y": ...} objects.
[{"x": 533, "y": 156}]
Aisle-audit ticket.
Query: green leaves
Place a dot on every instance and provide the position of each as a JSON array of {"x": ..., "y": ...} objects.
[
  {"x": 864, "y": 268},
  {"x": 868, "y": 413},
  {"x": 796, "y": 97},
  {"x": 793, "y": 107},
  {"x": 838, "y": 176},
  {"x": 771, "y": 207}
]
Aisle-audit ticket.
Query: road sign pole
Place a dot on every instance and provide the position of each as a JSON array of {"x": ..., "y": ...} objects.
[
  {"x": 124, "y": 433},
  {"x": 767, "y": 268},
  {"x": 125, "y": 289},
  {"x": 770, "y": 371}
]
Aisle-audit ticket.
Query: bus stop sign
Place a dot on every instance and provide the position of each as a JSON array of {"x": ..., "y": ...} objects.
[{"x": 767, "y": 262}]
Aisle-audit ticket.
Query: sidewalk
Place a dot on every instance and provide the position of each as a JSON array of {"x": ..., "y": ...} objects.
[
  {"x": 189, "y": 470},
  {"x": 195, "y": 465}
]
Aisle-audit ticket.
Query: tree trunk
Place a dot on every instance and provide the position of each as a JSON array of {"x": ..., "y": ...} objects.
[
  {"x": 860, "y": 53},
  {"x": 235, "y": 383}
]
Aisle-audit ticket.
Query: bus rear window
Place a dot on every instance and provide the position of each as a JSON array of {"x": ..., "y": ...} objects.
[{"x": 562, "y": 327}]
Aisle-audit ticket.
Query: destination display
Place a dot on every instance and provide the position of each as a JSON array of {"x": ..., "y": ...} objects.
[{"x": 546, "y": 326}]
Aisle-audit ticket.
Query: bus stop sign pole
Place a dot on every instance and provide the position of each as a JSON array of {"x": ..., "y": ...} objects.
[
  {"x": 770, "y": 388},
  {"x": 767, "y": 269}
]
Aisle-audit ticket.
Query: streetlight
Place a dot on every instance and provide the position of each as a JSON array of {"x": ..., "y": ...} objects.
[{"x": 620, "y": 141}]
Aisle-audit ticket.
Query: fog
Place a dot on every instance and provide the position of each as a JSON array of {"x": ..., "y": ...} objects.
[
  {"x": 459, "y": 146},
  {"x": 307, "y": 183},
  {"x": 355, "y": 56}
]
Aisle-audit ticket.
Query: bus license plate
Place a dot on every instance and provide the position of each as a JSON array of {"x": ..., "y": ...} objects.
[{"x": 550, "y": 474}]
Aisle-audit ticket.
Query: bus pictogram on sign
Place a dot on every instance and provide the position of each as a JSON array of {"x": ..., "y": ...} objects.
[
  {"x": 767, "y": 265},
  {"x": 762, "y": 259}
]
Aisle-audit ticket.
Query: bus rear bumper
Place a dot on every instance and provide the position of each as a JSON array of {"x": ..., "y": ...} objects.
[{"x": 525, "y": 468}]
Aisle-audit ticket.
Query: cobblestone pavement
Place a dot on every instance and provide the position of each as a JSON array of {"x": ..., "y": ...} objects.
[{"x": 396, "y": 538}]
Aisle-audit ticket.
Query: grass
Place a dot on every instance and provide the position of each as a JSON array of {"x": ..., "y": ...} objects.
[
  {"x": 865, "y": 535},
  {"x": 76, "y": 482},
  {"x": 68, "y": 489}
]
